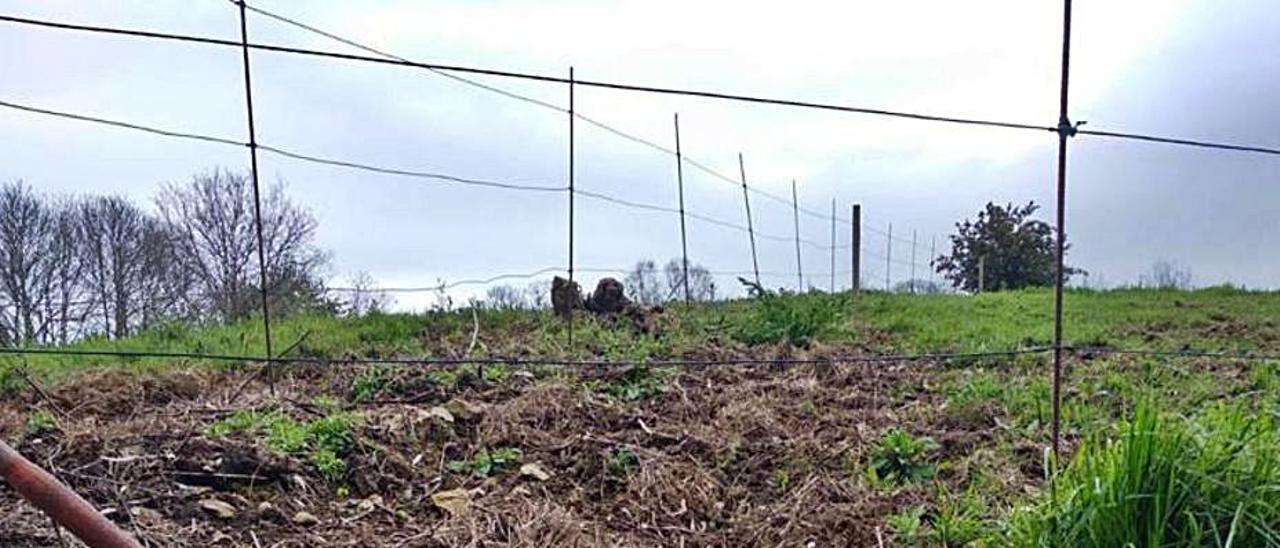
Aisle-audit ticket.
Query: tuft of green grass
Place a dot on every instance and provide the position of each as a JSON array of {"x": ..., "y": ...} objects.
[
  {"x": 487, "y": 462},
  {"x": 901, "y": 458},
  {"x": 796, "y": 319},
  {"x": 621, "y": 463},
  {"x": 638, "y": 383},
  {"x": 1166, "y": 482},
  {"x": 908, "y": 526},
  {"x": 40, "y": 423},
  {"x": 367, "y": 386}
]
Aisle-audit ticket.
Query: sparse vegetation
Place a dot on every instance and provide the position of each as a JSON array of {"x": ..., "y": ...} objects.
[
  {"x": 832, "y": 452},
  {"x": 621, "y": 463},
  {"x": 322, "y": 442},
  {"x": 901, "y": 458},
  {"x": 487, "y": 462},
  {"x": 40, "y": 423}
]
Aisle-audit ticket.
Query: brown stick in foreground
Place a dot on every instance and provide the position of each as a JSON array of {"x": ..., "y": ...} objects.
[{"x": 61, "y": 503}]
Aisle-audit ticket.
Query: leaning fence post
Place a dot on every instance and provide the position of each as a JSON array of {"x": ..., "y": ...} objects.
[
  {"x": 751, "y": 234},
  {"x": 257, "y": 198},
  {"x": 684, "y": 242}
]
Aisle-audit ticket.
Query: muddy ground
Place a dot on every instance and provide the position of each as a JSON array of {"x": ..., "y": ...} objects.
[{"x": 723, "y": 456}]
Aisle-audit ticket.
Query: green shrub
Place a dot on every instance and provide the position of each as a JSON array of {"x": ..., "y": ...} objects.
[
  {"x": 901, "y": 458},
  {"x": 323, "y": 442},
  {"x": 786, "y": 317},
  {"x": 1212, "y": 481}
]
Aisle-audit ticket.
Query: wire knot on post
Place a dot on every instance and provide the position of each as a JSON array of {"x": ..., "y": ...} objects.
[{"x": 1068, "y": 129}]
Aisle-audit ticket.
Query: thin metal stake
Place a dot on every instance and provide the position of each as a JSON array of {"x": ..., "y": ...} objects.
[
  {"x": 1065, "y": 130},
  {"x": 856, "y": 249},
  {"x": 913, "y": 261},
  {"x": 257, "y": 199},
  {"x": 751, "y": 233},
  {"x": 933, "y": 254},
  {"x": 888, "y": 258},
  {"x": 572, "y": 191},
  {"x": 684, "y": 242},
  {"x": 795, "y": 211},
  {"x": 833, "y": 245}
]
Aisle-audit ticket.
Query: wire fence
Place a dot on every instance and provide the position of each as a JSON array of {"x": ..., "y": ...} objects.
[{"x": 1064, "y": 130}]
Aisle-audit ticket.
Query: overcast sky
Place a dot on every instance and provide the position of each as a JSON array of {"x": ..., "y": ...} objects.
[{"x": 1197, "y": 69}]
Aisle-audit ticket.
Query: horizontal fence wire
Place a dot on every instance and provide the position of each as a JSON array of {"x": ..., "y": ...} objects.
[
  {"x": 657, "y": 362},
  {"x": 440, "y": 177},
  {"x": 635, "y": 87},
  {"x": 523, "y": 360}
]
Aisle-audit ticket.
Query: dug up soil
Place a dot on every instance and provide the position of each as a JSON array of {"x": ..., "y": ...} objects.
[{"x": 724, "y": 456}]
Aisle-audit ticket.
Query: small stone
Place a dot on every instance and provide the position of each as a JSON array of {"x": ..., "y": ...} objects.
[
  {"x": 367, "y": 505},
  {"x": 441, "y": 413},
  {"x": 456, "y": 502},
  {"x": 265, "y": 507},
  {"x": 219, "y": 509},
  {"x": 535, "y": 471},
  {"x": 305, "y": 519},
  {"x": 463, "y": 409}
]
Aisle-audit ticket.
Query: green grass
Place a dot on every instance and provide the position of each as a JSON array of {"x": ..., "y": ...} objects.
[
  {"x": 1213, "y": 471},
  {"x": 1208, "y": 319},
  {"x": 1166, "y": 481}
]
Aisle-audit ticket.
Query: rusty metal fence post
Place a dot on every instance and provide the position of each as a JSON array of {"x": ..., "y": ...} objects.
[{"x": 62, "y": 504}]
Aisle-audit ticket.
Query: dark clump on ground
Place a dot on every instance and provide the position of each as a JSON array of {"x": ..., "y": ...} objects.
[{"x": 727, "y": 456}]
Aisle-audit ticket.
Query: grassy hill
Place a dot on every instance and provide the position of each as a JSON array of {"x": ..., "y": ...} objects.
[{"x": 1169, "y": 451}]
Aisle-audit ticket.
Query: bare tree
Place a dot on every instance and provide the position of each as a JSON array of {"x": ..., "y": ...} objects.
[
  {"x": 537, "y": 294},
  {"x": 26, "y": 227},
  {"x": 70, "y": 301},
  {"x": 1167, "y": 275},
  {"x": 127, "y": 265},
  {"x": 365, "y": 298},
  {"x": 210, "y": 221},
  {"x": 642, "y": 283},
  {"x": 505, "y": 297},
  {"x": 702, "y": 286}
]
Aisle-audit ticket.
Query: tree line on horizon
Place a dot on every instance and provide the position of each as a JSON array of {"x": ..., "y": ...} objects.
[
  {"x": 76, "y": 266},
  {"x": 92, "y": 265}
]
